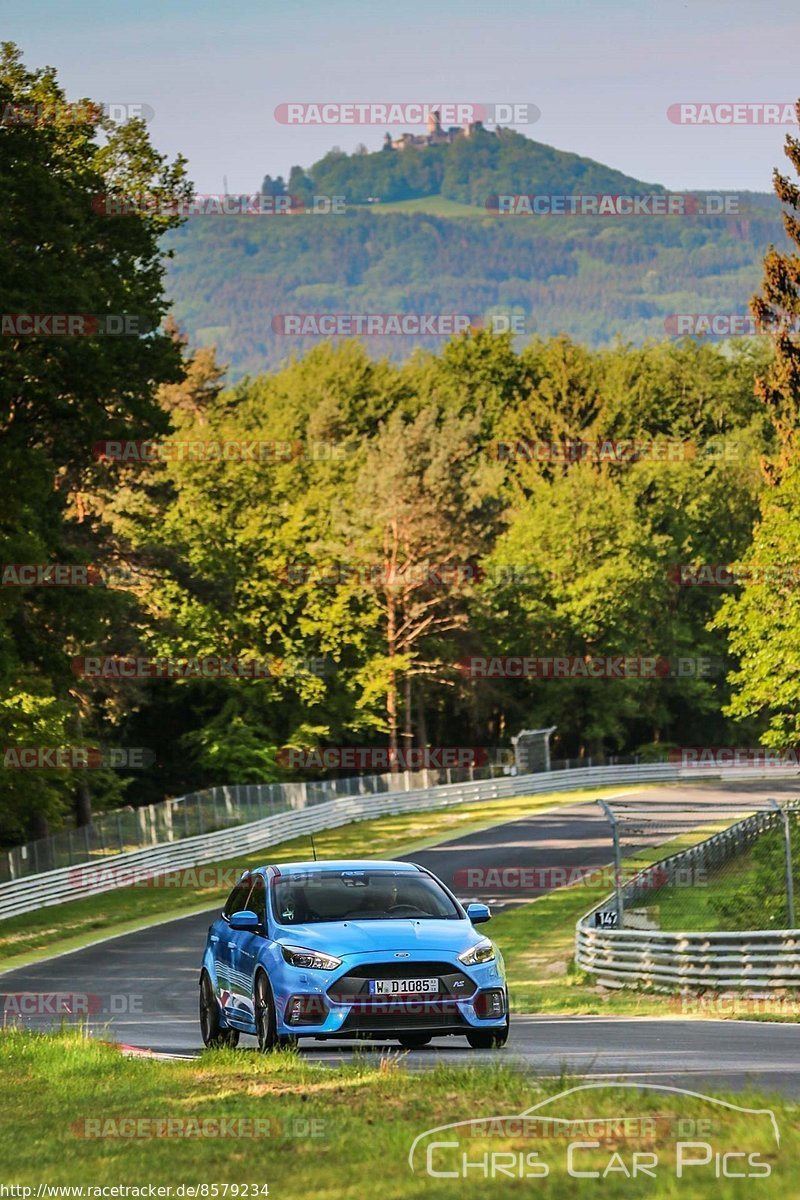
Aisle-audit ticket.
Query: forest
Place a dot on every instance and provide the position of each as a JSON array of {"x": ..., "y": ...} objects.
[{"x": 215, "y": 570}]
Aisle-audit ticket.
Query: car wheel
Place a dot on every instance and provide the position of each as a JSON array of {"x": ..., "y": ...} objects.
[
  {"x": 213, "y": 1032},
  {"x": 414, "y": 1041},
  {"x": 266, "y": 1022},
  {"x": 488, "y": 1039}
]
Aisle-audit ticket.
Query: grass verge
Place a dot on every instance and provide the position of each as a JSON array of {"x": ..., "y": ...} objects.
[
  {"x": 538, "y": 945},
  {"x": 695, "y": 908},
  {"x": 72, "y": 1105}
]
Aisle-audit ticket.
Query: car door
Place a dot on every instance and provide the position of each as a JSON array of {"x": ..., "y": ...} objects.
[
  {"x": 249, "y": 945},
  {"x": 225, "y": 948}
]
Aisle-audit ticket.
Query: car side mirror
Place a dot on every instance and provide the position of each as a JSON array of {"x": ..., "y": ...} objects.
[
  {"x": 478, "y": 913},
  {"x": 245, "y": 920}
]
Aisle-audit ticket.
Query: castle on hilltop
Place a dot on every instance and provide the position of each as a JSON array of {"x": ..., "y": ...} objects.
[{"x": 436, "y": 135}]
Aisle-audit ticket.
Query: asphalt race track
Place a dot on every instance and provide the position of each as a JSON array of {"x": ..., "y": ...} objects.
[{"x": 142, "y": 987}]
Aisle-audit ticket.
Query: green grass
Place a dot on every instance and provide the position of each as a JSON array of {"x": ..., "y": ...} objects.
[
  {"x": 37, "y": 935},
  {"x": 538, "y": 944},
  {"x": 345, "y": 1134},
  {"x": 436, "y": 206},
  {"x": 681, "y": 908}
]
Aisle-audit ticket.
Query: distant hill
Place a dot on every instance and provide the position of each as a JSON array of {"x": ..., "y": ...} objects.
[
  {"x": 430, "y": 245},
  {"x": 468, "y": 170}
]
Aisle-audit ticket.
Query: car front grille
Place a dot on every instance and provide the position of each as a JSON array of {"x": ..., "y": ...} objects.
[
  {"x": 392, "y": 1017},
  {"x": 353, "y": 988}
]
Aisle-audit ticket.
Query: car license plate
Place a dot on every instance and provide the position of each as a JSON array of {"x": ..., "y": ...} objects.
[{"x": 403, "y": 987}]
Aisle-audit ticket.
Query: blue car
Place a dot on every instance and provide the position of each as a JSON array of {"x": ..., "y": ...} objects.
[{"x": 350, "y": 949}]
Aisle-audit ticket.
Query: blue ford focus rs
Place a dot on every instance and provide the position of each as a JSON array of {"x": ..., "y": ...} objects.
[{"x": 347, "y": 949}]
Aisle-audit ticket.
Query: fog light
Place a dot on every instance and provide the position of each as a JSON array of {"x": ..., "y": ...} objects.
[
  {"x": 490, "y": 1004},
  {"x": 306, "y": 1010}
]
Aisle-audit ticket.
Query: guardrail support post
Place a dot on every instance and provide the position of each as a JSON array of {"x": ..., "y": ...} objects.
[
  {"x": 787, "y": 848},
  {"x": 612, "y": 820}
]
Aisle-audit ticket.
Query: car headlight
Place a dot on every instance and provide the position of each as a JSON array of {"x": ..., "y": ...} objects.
[
  {"x": 314, "y": 960},
  {"x": 481, "y": 952}
]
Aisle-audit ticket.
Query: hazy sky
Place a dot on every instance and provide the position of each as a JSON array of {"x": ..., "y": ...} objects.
[{"x": 602, "y": 72}]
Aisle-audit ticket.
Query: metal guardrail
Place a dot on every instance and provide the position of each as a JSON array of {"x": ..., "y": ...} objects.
[
  {"x": 672, "y": 961},
  {"x": 195, "y": 814},
  {"x": 99, "y": 875},
  {"x": 217, "y": 808}
]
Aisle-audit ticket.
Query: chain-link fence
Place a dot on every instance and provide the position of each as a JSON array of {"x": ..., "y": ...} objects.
[
  {"x": 222, "y": 807},
  {"x": 197, "y": 813},
  {"x": 743, "y": 876}
]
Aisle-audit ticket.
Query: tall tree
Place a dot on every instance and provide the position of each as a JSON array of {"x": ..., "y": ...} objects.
[
  {"x": 763, "y": 623},
  {"x": 420, "y": 515},
  {"x": 59, "y": 395}
]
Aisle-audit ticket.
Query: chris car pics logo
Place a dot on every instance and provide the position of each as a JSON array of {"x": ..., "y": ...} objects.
[{"x": 629, "y": 1131}]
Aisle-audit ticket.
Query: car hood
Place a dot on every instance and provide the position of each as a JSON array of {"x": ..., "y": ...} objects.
[{"x": 370, "y": 937}]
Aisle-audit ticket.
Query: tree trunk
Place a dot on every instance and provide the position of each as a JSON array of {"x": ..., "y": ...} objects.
[
  {"x": 83, "y": 803},
  {"x": 408, "y": 731},
  {"x": 83, "y": 797},
  {"x": 422, "y": 725},
  {"x": 391, "y": 690},
  {"x": 39, "y": 827}
]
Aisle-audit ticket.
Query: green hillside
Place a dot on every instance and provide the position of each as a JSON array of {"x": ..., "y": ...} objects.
[
  {"x": 427, "y": 244},
  {"x": 468, "y": 170}
]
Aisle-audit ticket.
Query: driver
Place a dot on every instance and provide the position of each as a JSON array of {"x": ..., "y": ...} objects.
[{"x": 380, "y": 898}]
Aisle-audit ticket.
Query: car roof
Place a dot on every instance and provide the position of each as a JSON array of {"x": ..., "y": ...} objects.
[{"x": 341, "y": 864}]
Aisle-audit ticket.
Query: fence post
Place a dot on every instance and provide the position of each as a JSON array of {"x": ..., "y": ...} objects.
[
  {"x": 787, "y": 847},
  {"x": 617, "y": 861}
]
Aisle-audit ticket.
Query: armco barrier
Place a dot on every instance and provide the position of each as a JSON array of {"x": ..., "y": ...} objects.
[
  {"x": 673, "y": 961},
  {"x": 92, "y": 878}
]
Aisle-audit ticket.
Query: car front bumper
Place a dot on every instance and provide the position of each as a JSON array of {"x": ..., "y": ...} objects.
[{"x": 338, "y": 1003}]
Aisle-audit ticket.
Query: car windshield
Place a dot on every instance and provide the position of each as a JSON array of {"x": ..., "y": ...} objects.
[{"x": 359, "y": 896}]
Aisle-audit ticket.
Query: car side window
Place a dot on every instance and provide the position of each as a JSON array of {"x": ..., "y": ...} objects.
[
  {"x": 238, "y": 898},
  {"x": 257, "y": 902}
]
